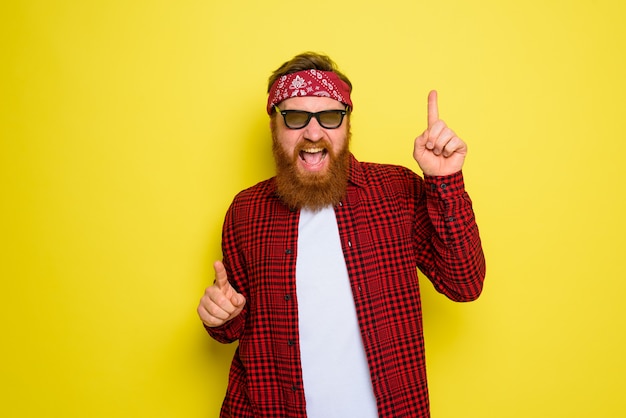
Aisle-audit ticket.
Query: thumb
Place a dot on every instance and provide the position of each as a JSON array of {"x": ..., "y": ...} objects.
[
  {"x": 238, "y": 300},
  {"x": 420, "y": 141},
  {"x": 421, "y": 144}
]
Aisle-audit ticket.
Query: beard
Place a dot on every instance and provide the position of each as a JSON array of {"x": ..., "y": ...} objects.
[{"x": 313, "y": 191}]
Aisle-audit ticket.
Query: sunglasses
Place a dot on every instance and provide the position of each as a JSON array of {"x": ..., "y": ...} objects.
[{"x": 298, "y": 119}]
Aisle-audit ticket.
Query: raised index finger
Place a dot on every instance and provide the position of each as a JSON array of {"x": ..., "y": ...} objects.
[
  {"x": 433, "y": 109},
  {"x": 221, "y": 279}
]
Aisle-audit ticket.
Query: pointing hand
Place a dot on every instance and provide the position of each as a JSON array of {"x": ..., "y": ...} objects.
[
  {"x": 220, "y": 302},
  {"x": 438, "y": 151}
]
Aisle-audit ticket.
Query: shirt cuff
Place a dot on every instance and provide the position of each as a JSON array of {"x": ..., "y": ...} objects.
[{"x": 445, "y": 187}]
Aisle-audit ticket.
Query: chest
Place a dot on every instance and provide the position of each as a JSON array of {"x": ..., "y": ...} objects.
[{"x": 375, "y": 238}]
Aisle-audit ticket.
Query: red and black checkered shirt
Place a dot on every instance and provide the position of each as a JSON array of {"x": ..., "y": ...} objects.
[{"x": 390, "y": 223}]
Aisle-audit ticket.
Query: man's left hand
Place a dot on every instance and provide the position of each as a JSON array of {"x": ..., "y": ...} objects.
[{"x": 438, "y": 151}]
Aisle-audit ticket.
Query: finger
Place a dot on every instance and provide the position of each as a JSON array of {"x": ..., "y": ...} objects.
[
  {"x": 222, "y": 283},
  {"x": 210, "y": 311},
  {"x": 434, "y": 133},
  {"x": 441, "y": 140},
  {"x": 433, "y": 108},
  {"x": 455, "y": 144},
  {"x": 211, "y": 314},
  {"x": 211, "y": 320},
  {"x": 221, "y": 279},
  {"x": 217, "y": 304}
]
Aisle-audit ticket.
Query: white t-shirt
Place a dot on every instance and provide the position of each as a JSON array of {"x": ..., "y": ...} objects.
[{"x": 336, "y": 376}]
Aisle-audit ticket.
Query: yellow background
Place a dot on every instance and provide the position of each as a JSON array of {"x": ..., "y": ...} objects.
[{"x": 128, "y": 126}]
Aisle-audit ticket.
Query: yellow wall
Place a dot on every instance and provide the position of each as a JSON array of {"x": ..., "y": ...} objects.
[{"x": 128, "y": 126}]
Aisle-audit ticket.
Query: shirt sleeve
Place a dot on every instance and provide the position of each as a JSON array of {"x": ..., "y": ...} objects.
[{"x": 454, "y": 260}]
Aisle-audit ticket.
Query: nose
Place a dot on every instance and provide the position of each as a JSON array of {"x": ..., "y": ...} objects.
[{"x": 313, "y": 131}]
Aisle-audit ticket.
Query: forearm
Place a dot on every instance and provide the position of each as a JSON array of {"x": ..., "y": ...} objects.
[{"x": 456, "y": 264}]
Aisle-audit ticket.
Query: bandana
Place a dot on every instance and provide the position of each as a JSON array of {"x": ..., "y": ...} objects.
[{"x": 308, "y": 83}]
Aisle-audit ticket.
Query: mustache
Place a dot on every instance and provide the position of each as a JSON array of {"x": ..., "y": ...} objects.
[{"x": 306, "y": 144}]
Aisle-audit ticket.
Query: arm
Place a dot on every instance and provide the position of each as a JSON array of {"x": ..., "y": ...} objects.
[
  {"x": 454, "y": 261},
  {"x": 450, "y": 253}
]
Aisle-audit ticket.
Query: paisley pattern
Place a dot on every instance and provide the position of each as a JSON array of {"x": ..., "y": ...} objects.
[{"x": 309, "y": 83}]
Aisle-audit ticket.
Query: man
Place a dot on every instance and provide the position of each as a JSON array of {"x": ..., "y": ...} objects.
[{"x": 318, "y": 281}]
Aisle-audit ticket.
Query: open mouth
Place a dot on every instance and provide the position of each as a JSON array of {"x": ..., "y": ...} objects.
[{"x": 313, "y": 157}]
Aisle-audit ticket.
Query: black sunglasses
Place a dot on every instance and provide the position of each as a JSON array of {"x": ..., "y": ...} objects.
[{"x": 298, "y": 119}]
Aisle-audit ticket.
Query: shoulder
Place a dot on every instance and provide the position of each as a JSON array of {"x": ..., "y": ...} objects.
[
  {"x": 378, "y": 170},
  {"x": 387, "y": 176},
  {"x": 260, "y": 191},
  {"x": 255, "y": 202}
]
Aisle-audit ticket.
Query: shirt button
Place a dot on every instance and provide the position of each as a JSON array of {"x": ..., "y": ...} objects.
[
  {"x": 451, "y": 219},
  {"x": 290, "y": 342},
  {"x": 288, "y": 251},
  {"x": 287, "y": 298},
  {"x": 444, "y": 185}
]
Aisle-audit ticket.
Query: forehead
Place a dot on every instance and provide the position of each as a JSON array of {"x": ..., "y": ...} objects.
[{"x": 310, "y": 104}]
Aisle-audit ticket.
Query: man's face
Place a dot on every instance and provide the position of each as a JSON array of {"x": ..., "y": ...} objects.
[
  {"x": 313, "y": 145},
  {"x": 312, "y": 162}
]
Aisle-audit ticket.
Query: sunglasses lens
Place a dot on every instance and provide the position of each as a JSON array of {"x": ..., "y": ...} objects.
[
  {"x": 331, "y": 119},
  {"x": 296, "y": 120}
]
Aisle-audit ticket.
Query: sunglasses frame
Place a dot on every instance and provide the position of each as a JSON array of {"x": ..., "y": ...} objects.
[{"x": 315, "y": 115}]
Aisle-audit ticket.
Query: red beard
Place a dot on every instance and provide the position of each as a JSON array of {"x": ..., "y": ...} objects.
[{"x": 311, "y": 190}]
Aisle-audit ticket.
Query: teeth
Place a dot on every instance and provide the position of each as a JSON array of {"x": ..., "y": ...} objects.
[{"x": 313, "y": 150}]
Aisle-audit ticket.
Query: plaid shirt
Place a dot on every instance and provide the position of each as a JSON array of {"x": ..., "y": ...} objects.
[{"x": 390, "y": 222}]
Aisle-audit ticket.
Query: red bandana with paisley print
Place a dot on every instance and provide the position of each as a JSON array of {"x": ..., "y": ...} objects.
[{"x": 308, "y": 83}]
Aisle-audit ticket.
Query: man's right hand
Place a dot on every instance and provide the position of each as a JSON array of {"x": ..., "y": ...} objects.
[{"x": 220, "y": 302}]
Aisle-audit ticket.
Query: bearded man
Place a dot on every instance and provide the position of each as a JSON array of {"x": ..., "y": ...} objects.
[{"x": 318, "y": 281}]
